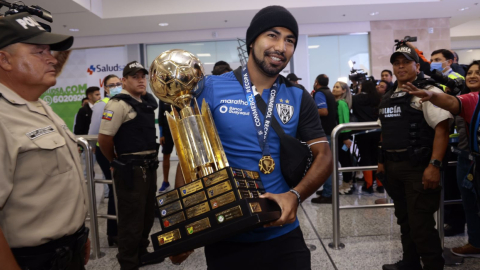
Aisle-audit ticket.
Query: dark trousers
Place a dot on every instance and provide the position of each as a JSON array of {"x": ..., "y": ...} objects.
[
  {"x": 135, "y": 214},
  {"x": 66, "y": 253},
  {"x": 288, "y": 251},
  {"x": 414, "y": 209},
  {"x": 105, "y": 166},
  {"x": 469, "y": 201},
  {"x": 345, "y": 160},
  {"x": 454, "y": 214}
]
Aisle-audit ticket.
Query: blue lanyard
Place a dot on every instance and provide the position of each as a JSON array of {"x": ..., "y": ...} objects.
[{"x": 261, "y": 134}]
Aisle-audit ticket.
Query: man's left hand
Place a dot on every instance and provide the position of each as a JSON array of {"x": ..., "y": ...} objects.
[
  {"x": 87, "y": 252},
  {"x": 288, "y": 202},
  {"x": 431, "y": 177}
]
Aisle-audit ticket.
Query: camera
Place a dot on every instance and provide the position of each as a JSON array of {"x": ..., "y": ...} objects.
[
  {"x": 403, "y": 42},
  {"x": 19, "y": 6}
]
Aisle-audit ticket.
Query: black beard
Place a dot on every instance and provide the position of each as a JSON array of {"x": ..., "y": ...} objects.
[{"x": 267, "y": 70}]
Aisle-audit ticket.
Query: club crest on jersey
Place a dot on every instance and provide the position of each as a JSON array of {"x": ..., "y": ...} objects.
[{"x": 285, "y": 112}]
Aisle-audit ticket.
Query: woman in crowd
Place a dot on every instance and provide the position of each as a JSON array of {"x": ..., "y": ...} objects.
[
  {"x": 468, "y": 107},
  {"x": 382, "y": 87},
  {"x": 343, "y": 96},
  {"x": 365, "y": 109}
]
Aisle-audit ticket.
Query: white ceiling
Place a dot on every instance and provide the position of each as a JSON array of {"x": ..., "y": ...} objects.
[{"x": 116, "y": 17}]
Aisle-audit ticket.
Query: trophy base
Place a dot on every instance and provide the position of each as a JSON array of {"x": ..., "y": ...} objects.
[
  {"x": 218, "y": 233},
  {"x": 215, "y": 207}
]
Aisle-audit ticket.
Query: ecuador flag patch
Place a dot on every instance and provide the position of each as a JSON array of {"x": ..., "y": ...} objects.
[{"x": 107, "y": 115}]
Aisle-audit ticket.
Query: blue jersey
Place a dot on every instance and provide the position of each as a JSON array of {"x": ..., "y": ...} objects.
[
  {"x": 321, "y": 100},
  {"x": 295, "y": 111}
]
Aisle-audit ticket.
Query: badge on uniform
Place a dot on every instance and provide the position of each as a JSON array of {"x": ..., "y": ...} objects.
[{"x": 107, "y": 115}]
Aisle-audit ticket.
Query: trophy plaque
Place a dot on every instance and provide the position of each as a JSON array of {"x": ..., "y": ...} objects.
[{"x": 217, "y": 201}]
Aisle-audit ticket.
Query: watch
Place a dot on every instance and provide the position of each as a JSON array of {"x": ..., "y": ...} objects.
[{"x": 435, "y": 162}]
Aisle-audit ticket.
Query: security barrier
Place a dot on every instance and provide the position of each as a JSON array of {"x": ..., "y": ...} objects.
[
  {"x": 336, "y": 244},
  {"x": 83, "y": 141}
]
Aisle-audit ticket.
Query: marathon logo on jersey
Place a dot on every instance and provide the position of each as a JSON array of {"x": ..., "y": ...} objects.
[
  {"x": 234, "y": 101},
  {"x": 28, "y": 21},
  {"x": 32, "y": 135},
  {"x": 284, "y": 111},
  {"x": 107, "y": 115},
  {"x": 390, "y": 112}
]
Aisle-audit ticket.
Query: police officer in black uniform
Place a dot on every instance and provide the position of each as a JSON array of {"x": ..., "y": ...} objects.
[
  {"x": 414, "y": 140},
  {"x": 127, "y": 137}
]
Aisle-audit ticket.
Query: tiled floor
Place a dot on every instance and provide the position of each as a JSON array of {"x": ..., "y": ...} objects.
[{"x": 371, "y": 237}]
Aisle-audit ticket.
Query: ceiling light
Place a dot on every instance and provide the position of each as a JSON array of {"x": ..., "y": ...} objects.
[
  {"x": 463, "y": 9},
  {"x": 470, "y": 51},
  {"x": 163, "y": 24},
  {"x": 203, "y": 55},
  {"x": 73, "y": 30},
  {"x": 313, "y": 46},
  {"x": 374, "y": 13}
]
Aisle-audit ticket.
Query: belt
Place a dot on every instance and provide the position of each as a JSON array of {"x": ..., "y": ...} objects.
[
  {"x": 397, "y": 156},
  {"x": 137, "y": 157},
  {"x": 52, "y": 246}
]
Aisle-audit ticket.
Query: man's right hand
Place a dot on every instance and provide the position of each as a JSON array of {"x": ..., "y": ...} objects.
[
  {"x": 162, "y": 140},
  {"x": 178, "y": 259}
]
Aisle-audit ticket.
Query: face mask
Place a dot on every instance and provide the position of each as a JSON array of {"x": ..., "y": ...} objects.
[
  {"x": 437, "y": 66},
  {"x": 115, "y": 91}
]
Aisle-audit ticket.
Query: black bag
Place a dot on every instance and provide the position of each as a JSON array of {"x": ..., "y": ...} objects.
[{"x": 295, "y": 155}]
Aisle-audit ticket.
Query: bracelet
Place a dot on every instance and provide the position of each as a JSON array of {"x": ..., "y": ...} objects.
[{"x": 296, "y": 194}]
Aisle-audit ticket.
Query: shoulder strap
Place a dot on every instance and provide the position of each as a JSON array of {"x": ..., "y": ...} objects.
[{"x": 262, "y": 106}]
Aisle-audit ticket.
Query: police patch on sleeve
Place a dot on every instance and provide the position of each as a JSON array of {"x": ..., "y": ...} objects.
[{"x": 107, "y": 115}]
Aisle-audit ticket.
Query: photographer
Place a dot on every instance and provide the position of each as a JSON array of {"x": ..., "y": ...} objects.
[{"x": 451, "y": 83}]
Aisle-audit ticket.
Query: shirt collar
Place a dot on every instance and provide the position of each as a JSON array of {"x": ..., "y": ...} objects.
[
  {"x": 14, "y": 98},
  {"x": 11, "y": 96}
]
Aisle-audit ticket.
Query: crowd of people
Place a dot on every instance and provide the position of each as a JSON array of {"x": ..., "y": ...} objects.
[{"x": 42, "y": 200}]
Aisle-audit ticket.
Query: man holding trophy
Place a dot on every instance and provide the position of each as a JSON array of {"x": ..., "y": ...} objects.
[{"x": 247, "y": 141}]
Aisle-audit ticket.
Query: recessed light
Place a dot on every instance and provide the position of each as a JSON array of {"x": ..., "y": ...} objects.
[
  {"x": 313, "y": 46},
  {"x": 470, "y": 51},
  {"x": 163, "y": 24},
  {"x": 73, "y": 30},
  {"x": 463, "y": 9},
  {"x": 374, "y": 13},
  {"x": 203, "y": 55}
]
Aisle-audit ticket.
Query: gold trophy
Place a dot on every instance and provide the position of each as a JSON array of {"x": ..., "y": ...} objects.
[
  {"x": 217, "y": 201},
  {"x": 174, "y": 76}
]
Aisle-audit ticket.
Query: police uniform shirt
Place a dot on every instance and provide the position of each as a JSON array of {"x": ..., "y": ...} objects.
[
  {"x": 433, "y": 114},
  {"x": 296, "y": 113},
  {"x": 116, "y": 113},
  {"x": 42, "y": 196}
]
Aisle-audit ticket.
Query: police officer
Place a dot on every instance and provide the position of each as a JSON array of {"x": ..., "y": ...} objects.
[
  {"x": 113, "y": 86},
  {"x": 414, "y": 140},
  {"x": 42, "y": 200},
  {"x": 127, "y": 138}
]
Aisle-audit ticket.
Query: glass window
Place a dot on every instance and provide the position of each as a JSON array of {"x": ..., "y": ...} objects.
[
  {"x": 208, "y": 52},
  {"x": 330, "y": 55}
]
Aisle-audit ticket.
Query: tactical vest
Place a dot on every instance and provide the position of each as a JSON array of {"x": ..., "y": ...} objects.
[
  {"x": 329, "y": 121},
  {"x": 402, "y": 125},
  {"x": 138, "y": 134}
]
